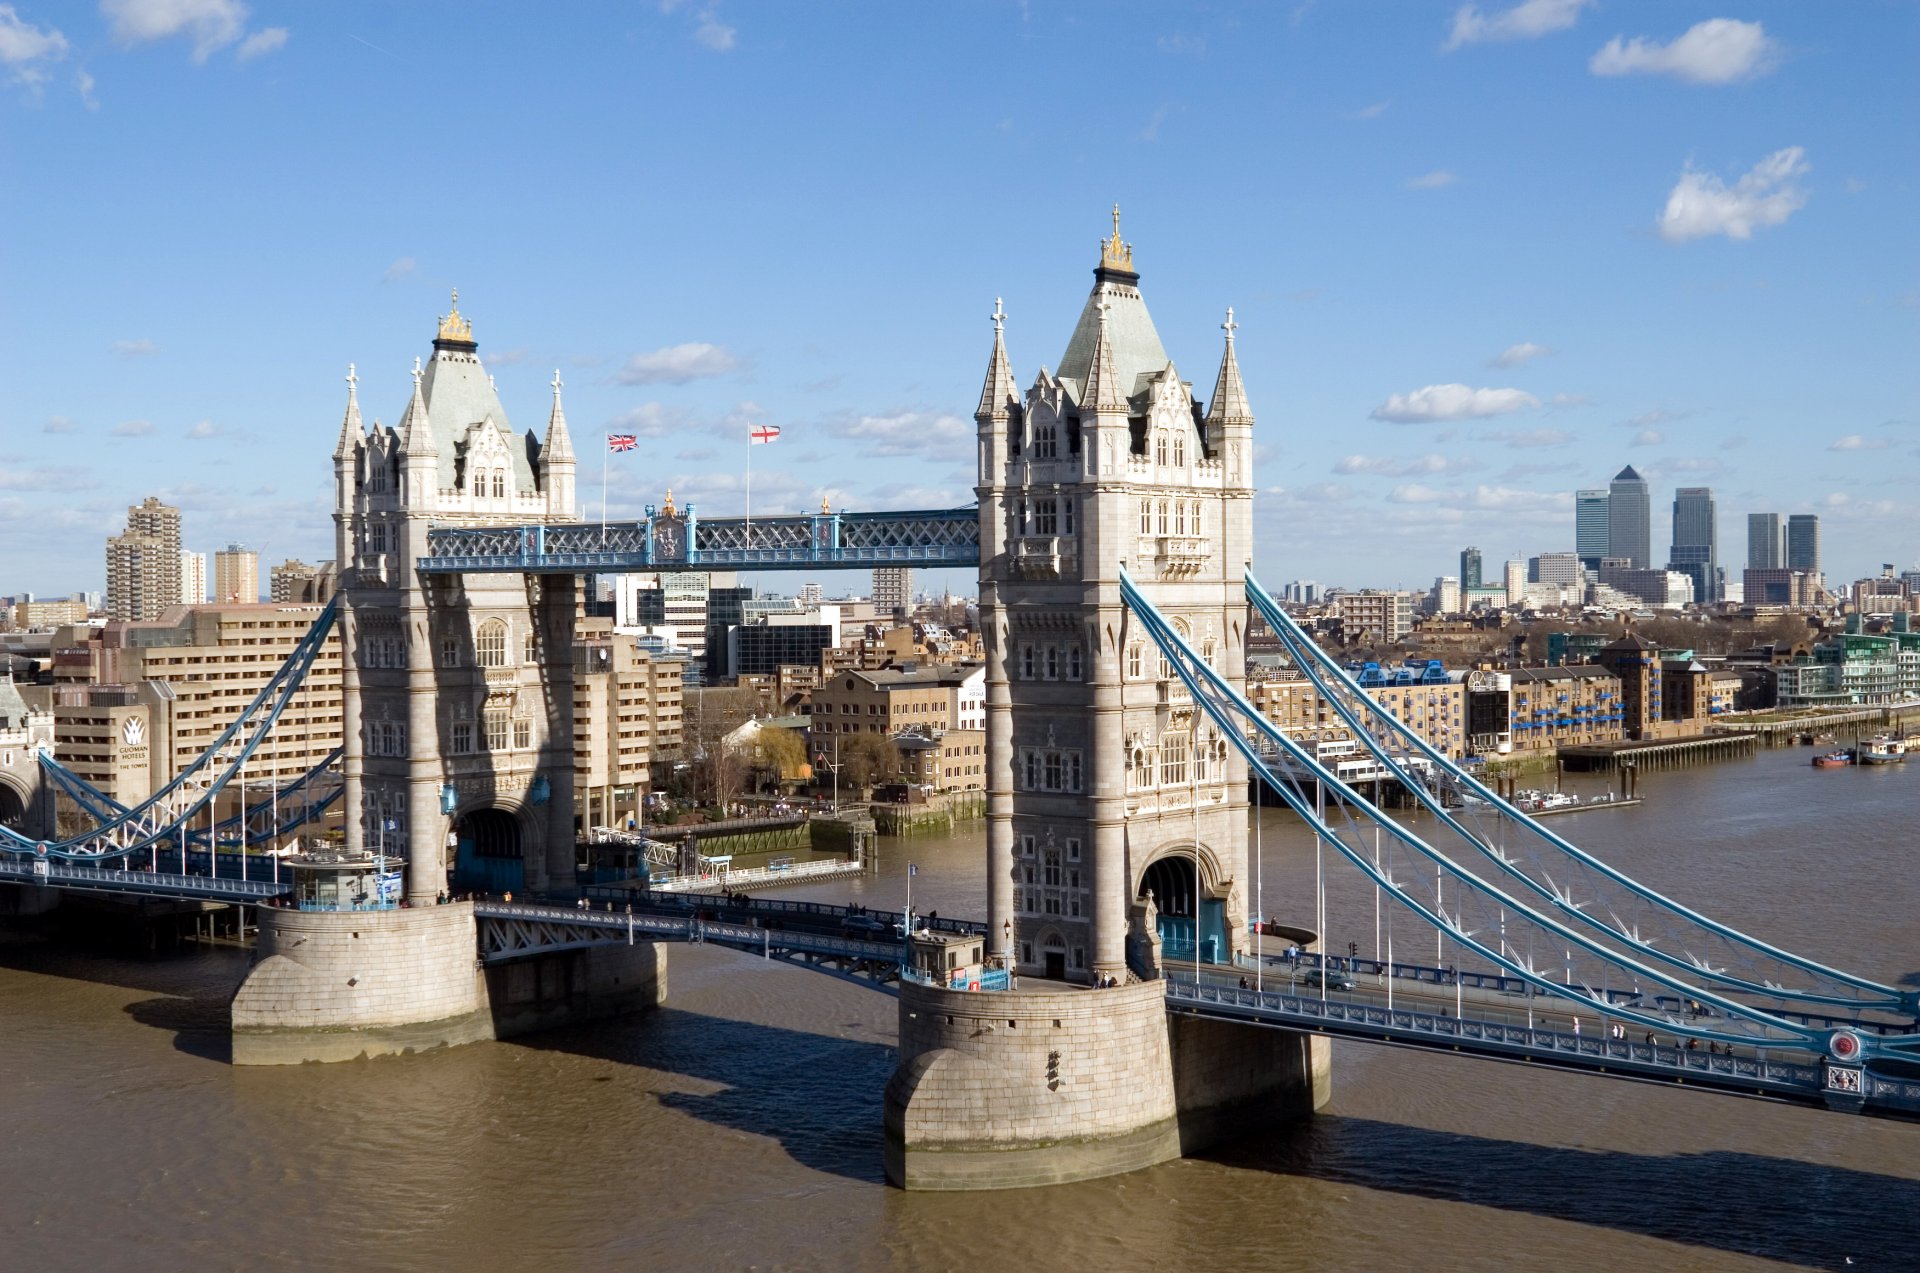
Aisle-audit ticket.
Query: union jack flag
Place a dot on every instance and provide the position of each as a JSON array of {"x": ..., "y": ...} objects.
[
  {"x": 760, "y": 433},
  {"x": 621, "y": 441}
]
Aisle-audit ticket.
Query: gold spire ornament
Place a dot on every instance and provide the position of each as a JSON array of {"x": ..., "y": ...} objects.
[
  {"x": 454, "y": 327},
  {"x": 1114, "y": 253},
  {"x": 667, "y": 509},
  {"x": 824, "y": 510}
]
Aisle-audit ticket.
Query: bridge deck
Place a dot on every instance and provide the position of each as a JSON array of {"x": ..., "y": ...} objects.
[{"x": 53, "y": 873}]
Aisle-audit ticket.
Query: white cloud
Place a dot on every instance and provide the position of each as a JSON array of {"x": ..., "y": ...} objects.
[
  {"x": 1436, "y": 180},
  {"x": 1397, "y": 466},
  {"x": 204, "y": 430},
  {"x": 1374, "y": 111},
  {"x": 1649, "y": 437},
  {"x": 45, "y": 479},
  {"x": 1528, "y": 439},
  {"x": 714, "y": 33},
  {"x": 925, "y": 433},
  {"x": 133, "y": 429},
  {"x": 211, "y": 24},
  {"x": 506, "y": 357},
  {"x": 1451, "y": 402},
  {"x": 1183, "y": 45},
  {"x": 22, "y": 45},
  {"x": 1152, "y": 131},
  {"x": 83, "y": 82},
  {"x": 1717, "y": 51},
  {"x": 1856, "y": 442},
  {"x": 135, "y": 348},
  {"x": 677, "y": 364},
  {"x": 399, "y": 270},
  {"x": 261, "y": 43},
  {"x": 1701, "y": 204},
  {"x": 1514, "y": 355},
  {"x": 1528, "y": 20},
  {"x": 1414, "y": 493},
  {"x": 1566, "y": 401},
  {"x": 59, "y": 424}
]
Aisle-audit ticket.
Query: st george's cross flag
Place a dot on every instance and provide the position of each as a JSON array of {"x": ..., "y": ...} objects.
[
  {"x": 760, "y": 433},
  {"x": 621, "y": 441}
]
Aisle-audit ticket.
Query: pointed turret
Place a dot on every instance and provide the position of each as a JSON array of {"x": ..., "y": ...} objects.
[
  {"x": 1103, "y": 386},
  {"x": 558, "y": 447},
  {"x": 557, "y": 463},
  {"x": 1229, "y": 396},
  {"x": 416, "y": 435},
  {"x": 996, "y": 396},
  {"x": 351, "y": 431}
]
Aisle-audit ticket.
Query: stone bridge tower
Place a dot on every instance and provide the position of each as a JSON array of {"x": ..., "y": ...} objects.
[
  {"x": 1107, "y": 787},
  {"x": 457, "y": 690}
]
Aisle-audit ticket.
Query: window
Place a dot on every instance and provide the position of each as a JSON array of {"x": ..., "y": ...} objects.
[
  {"x": 1161, "y": 517},
  {"x": 1050, "y": 867},
  {"x": 449, "y": 652},
  {"x": 1207, "y": 649},
  {"x": 1045, "y": 441},
  {"x": 496, "y": 722},
  {"x": 1135, "y": 668},
  {"x": 1173, "y": 759},
  {"x": 1046, "y": 517},
  {"x": 1066, "y": 516},
  {"x": 1179, "y": 451},
  {"x": 499, "y": 485},
  {"x": 1146, "y": 517},
  {"x": 1027, "y": 662},
  {"x": 1179, "y": 517},
  {"x": 1073, "y": 663},
  {"x": 522, "y": 734},
  {"x": 532, "y": 648},
  {"x": 1053, "y": 663},
  {"x": 462, "y": 739},
  {"x": 491, "y": 644},
  {"x": 1159, "y": 448},
  {"x": 1193, "y": 518}
]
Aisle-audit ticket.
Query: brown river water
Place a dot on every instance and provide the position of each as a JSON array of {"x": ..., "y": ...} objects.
[{"x": 739, "y": 1126}]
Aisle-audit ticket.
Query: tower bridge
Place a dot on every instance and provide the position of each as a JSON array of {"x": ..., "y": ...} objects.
[{"x": 1112, "y": 533}]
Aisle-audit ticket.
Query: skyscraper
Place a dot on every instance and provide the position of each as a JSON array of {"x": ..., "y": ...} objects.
[
  {"x": 1629, "y": 519},
  {"x": 1763, "y": 542},
  {"x": 236, "y": 575},
  {"x": 1469, "y": 569},
  {"x": 1695, "y": 551},
  {"x": 1803, "y": 543},
  {"x": 1590, "y": 527},
  {"x": 193, "y": 578},
  {"x": 893, "y": 590},
  {"x": 143, "y": 563}
]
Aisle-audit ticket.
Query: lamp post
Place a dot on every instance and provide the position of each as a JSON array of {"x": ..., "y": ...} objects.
[{"x": 1006, "y": 951}]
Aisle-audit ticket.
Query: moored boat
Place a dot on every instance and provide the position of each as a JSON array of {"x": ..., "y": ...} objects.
[
  {"x": 1883, "y": 749},
  {"x": 1833, "y": 760}
]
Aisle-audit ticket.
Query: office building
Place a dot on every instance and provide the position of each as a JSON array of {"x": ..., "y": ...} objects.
[
  {"x": 1630, "y": 519},
  {"x": 143, "y": 562},
  {"x": 1374, "y": 616},
  {"x": 1695, "y": 552},
  {"x": 1803, "y": 544},
  {"x": 236, "y": 575},
  {"x": 1590, "y": 527},
  {"x": 627, "y": 714},
  {"x": 1764, "y": 549},
  {"x": 1780, "y": 587},
  {"x": 1516, "y": 581},
  {"x": 295, "y": 582},
  {"x": 1445, "y": 597},
  {"x": 1469, "y": 569}
]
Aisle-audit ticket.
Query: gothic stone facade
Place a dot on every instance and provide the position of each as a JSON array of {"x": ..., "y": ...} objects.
[{"x": 1099, "y": 764}]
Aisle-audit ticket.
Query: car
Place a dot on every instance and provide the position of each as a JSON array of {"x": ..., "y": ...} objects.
[
  {"x": 869, "y": 928},
  {"x": 1335, "y": 980}
]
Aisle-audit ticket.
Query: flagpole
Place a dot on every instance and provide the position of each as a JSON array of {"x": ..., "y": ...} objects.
[
  {"x": 604, "y": 452},
  {"x": 749, "y": 489}
]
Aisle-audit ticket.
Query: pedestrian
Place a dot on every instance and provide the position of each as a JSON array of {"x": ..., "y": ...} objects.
[
  {"x": 1244, "y": 985},
  {"x": 1576, "y": 1027}
]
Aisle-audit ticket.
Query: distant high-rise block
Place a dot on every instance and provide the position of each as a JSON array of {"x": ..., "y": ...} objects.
[
  {"x": 143, "y": 563},
  {"x": 1629, "y": 518},
  {"x": 193, "y": 578},
  {"x": 1695, "y": 549},
  {"x": 1590, "y": 527},
  {"x": 1803, "y": 543},
  {"x": 236, "y": 575},
  {"x": 1470, "y": 568},
  {"x": 1763, "y": 542},
  {"x": 893, "y": 589}
]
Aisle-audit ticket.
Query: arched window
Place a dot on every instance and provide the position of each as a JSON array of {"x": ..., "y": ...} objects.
[
  {"x": 1207, "y": 649},
  {"x": 499, "y": 485},
  {"x": 1073, "y": 663},
  {"x": 1053, "y": 663},
  {"x": 1161, "y": 515},
  {"x": 1027, "y": 662},
  {"x": 1179, "y": 451},
  {"x": 490, "y": 646},
  {"x": 1179, "y": 517},
  {"x": 1146, "y": 517},
  {"x": 1159, "y": 448},
  {"x": 532, "y": 649},
  {"x": 1135, "y": 668},
  {"x": 1193, "y": 519},
  {"x": 1173, "y": 759},
  {"x": 1044, "y": 441}
]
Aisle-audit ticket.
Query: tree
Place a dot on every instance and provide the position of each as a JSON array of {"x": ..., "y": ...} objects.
[
  {"x": 868, "y": 759},
  {"x": 779, "y": 752}
]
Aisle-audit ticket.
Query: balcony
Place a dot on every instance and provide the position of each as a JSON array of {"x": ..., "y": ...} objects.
[
  {"x": 1042, "y": 556},
  {"x": 1182, "y": 554}
]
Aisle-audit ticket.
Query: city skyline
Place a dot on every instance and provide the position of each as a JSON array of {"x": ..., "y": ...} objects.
[{"x": 1698, "y": 266}]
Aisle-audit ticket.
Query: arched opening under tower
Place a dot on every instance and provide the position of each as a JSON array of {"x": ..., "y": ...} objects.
[
  {"x": 489, "y": 855},
  {"x": 1175, "y": 882},
  {"x": 13, "y": 808}
]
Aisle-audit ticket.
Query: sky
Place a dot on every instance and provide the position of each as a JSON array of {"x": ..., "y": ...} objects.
[{"x": 1480, "y": 256}]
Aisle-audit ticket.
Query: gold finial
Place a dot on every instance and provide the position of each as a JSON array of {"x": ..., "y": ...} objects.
[
  {"x": 824, "y": 510},
  {"x": 454, "y": 327},
  {"x": 1114, "y": 253},
  {"x": 667, "y": 509}
]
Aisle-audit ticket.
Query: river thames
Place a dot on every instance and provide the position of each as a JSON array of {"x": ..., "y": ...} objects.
[{"x": 739, "y": 1126}]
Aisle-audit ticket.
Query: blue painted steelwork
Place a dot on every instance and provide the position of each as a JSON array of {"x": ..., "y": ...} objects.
[
  {"x": 55, "y": 873},
  {"x": 682, "y": 541},
  {"x": 1346, "y": 694},
  {"x": 294, "y": 814},
  {"x": 1718, "y": 1020}
]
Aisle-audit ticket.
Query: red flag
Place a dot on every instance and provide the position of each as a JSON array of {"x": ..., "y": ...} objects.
[
  {"x": 760, "y": 433},
  {"x": 622, "y": 441}
]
